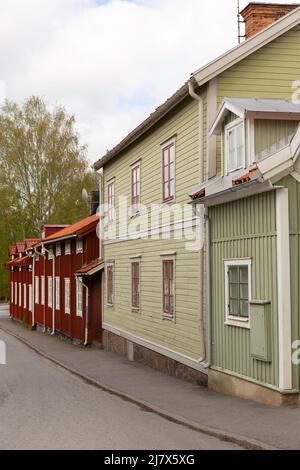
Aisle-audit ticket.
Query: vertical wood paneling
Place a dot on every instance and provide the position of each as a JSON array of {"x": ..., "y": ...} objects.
[{"x": 244, "y": 229}]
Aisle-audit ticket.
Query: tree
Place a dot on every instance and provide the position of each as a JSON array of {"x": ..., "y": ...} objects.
[{"x": 43, "y": 168}]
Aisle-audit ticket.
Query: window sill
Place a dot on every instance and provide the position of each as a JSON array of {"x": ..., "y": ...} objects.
[
  {"x": 238, "y": 322},
  {"x": 135, "y": 310},
  {"x": 168, "y": 318}
]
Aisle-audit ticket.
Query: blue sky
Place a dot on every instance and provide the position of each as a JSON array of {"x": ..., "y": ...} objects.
[{"x": 110, "y": 63}]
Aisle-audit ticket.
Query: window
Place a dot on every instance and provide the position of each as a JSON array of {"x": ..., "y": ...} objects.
[
  {"x": 11, "y": 292},
  {"x": 111, "y": 202},
  {"x": 78, "y": 298},
  {"x": 67, "y": 296},
  {"x": 234, "y": 146},
  {"x": 50, "y": 292},
  {"x": 168, "y": 157},
  {"x": 168, "y": 269},
  {"x": 110, "y": 284},
  {"x": 24, "y": 296},
  {"x": 135, "y": 285},
  {"x": 30, "y": 298},
  {"x": 43, "y": 290},
  {"x": 79, "y": 245},
  {"x": 58, "y": 249},
  {"x": 238, "y": 292},
  {"x": 20, "y": 294},
  {"x": 57, "y": 293},
  {"x": 36, "y": 290},
  {"x": 67, "y": 248},
  {"x": 135, "y": 188},
  {"x": 51, "y": 252},
  {"x": 16, "y": 293}
]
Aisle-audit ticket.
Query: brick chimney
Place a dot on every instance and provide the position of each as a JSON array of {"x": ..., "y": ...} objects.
[{"x": 258, "y": 15}]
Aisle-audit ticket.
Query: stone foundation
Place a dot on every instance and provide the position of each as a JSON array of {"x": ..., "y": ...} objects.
[
  {"x": 132, "y": 351},
  {"x": 234, "y": 386}
]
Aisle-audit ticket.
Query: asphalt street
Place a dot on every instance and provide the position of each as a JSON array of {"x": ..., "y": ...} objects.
[{"x": 42, "y": 406}]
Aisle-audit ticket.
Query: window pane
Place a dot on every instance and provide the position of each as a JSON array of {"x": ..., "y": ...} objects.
[
  {"x": 172, "y": 153},
  {"x": 234, "y": 308},
  {"x": 233, "y": 274},
  {"x": 232, "y": 150},
  {"x": 244, "y": 292},
  {"x": 244, "y": 309},
  {"x": 233, "y": 291},
  {"x": 244, "y": 274}
]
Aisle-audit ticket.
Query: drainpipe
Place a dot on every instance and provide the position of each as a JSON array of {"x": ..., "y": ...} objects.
[
  {"x": 53, "y": 288},
  {"x": 208, "y": 290},
  {"x": 33, "y": 291},
  {"x": 86, "y": 339},
  {"x": 100, "y": 172},
  {"x": 198, "y": 98}
]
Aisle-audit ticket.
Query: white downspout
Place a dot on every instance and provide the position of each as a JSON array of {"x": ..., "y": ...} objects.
[
  {"x": 100, "y": 172},
  {"x": 33, "y": 291},
  {"x": 198, "y": 98},
  {"x": 87, "y": 312},
  {"x": 53, "y": 293},
  {"x": 208, "y": 293}
]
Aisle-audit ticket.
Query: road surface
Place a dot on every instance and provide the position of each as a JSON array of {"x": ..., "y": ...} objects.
[{"x": 42, "y": 406}]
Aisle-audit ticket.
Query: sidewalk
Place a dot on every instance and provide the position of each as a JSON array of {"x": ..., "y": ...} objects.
[{"x": 194, "y": 406}]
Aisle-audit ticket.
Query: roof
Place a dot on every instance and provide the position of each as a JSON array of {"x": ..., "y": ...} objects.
[
  {"x": 249, "y": 176},
  {"x": 90, "y": 269},
  {"x": 246, "y": 48},
  {"x": 12, "y": 250},
  {"x": 151, "y": 120},
  {"x": 31, "y": 242},
  {"x": 21, "y": 247},
  {"x": 204, "y": 75},
  {"x": 254, "y": 106},
  {"x": 24, "y": 261},
  {"x": 75, "y": 229}
]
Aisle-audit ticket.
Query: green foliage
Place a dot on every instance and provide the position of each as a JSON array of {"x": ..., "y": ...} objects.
[{"x": 43, "y": 169}]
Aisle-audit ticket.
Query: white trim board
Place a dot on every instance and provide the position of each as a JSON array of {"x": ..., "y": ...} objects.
[
  {"x": 176, "y": 356},
  {"x": 284, "y": 290},
  {"x": 248, "y": 47}
]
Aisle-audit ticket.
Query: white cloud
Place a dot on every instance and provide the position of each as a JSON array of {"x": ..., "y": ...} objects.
[{"x": 109, "y": 62}]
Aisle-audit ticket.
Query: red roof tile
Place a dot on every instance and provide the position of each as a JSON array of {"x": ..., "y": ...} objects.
[
  {"x": 75, "y": 229},
  {"x": 12, "y": 250},
  {"x": 246, "y": 177},
  {"x": 89, "y": 267},
  {"x": 199, "y": 194}
]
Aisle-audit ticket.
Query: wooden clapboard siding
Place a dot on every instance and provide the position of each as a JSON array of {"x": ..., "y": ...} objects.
[
  {"x": 267, "y": 73},
  {"x": 182, "y": 335}
]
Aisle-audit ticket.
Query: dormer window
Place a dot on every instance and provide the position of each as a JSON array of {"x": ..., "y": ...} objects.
[{"x": 235, "y": 146}]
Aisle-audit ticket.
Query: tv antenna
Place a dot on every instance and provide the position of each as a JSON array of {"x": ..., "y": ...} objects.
[{"x": 240, "y": 22}]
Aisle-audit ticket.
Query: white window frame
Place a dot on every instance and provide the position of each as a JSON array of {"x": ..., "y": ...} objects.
[
  {"x": 25, "y": 296},
  {"x": 68, "y": 247},
  {"x": 42, "y": 290},
  {"x": 135, "y": 261},
  {"x": 57, "y": 293},
  {"x": 50, "y": 292},
  {"x": 111, "y": 207},
  {"x": 30, "y": 298},
  {"x": 229, "y": 319},
  {"x": 136, "y": 210},
  {"x": 79, "y": 298},
  {"x": 110, "y": 265},
  {"x": 58, "y": 249},
  {"x": 173, "y": 258},
  {"x": 51, "y": 252},
  {"x": 79, "y": 246},
  {"x": 36, "y": 290},
  {"x": 20, "y": 294},
  {"x": 67, "y": 297},
  {"x": 163, "y": 147},
  {"x": 228, "y": 128}
]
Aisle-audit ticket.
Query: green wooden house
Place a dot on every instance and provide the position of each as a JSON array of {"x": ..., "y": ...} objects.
[{"x": 166, "y": 300}]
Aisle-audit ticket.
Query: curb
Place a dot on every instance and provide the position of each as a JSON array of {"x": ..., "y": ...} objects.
[{"x": 242, "y": 441}]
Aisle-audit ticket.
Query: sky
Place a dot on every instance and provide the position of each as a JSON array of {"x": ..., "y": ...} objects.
[{"x": 109, "y": 62}]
